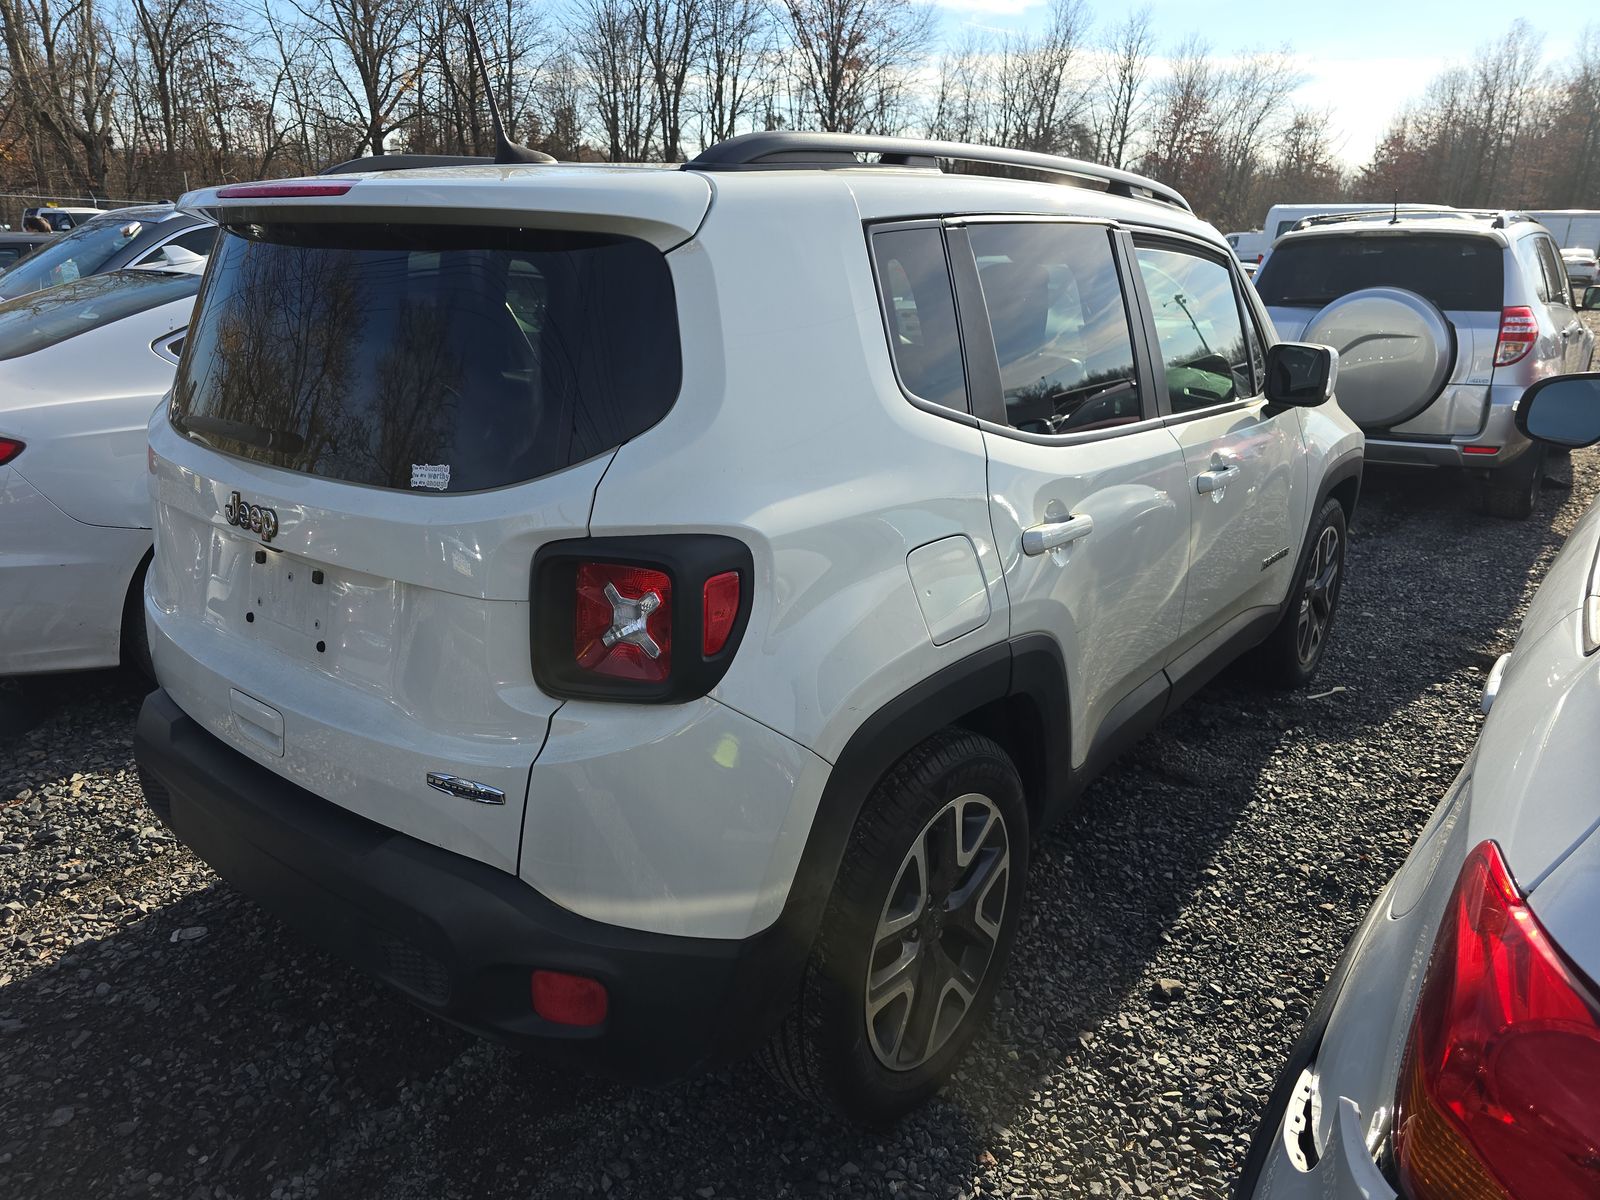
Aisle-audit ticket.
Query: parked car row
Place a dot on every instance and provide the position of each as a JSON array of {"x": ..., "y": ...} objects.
[{"x": 551, "y": 624}]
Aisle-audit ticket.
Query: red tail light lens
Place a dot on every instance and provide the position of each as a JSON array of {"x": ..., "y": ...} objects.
[
  {"x": 719, "y": 611},
  {"x": 624, "y": 622},
  {"x": 1518, "y": 332},
  {"x": 267, "y": 191},
  {"x": 1497, "y": 1097},
  {"x": 9, "y": 449},
  {"x": 569, "y": 999}
]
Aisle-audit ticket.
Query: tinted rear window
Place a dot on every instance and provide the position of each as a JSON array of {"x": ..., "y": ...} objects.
[
  {"x": 428, "y": 357},
  {"x": 1454, "y": 272},
  {"x": 42, "y": 319}
]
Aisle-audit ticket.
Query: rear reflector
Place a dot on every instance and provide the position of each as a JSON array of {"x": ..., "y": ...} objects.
[
  {"x": 1480, "y": 449},
  {"x": 9, "y": 449},
  {"x": 1518, "y": 332},
  {"x": 569, "y": 999},
  {"x": 623, "y": 622},
  {"x": 1497, "y": 1097},
  {"x": 720, "y": 611},
  {"x": 264, "y": 191}
]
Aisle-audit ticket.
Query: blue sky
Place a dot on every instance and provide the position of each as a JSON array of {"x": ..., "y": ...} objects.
[{"x": 1363, "y": 59}]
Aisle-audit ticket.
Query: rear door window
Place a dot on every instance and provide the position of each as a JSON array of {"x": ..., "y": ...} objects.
[
  {"x": 1204, "y": 350},
  {"x": 1060, "y": 322},
  {"x": 1456, "y": 273},
  {"x": 1555, "y": 273},
  {"x": 919, "y": 313},
  {"x": 438, "y": 358}
]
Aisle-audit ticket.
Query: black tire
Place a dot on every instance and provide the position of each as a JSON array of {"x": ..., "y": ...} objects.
[
  {"x": 135, "y": 636},
  {"x": 825, "y": 1050},
  {"x": 1291, "y": 654},
  {"x": 1512, "y": 493}
]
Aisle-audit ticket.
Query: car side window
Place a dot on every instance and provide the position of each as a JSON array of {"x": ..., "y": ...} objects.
[
  {"x": 200, "y": 240},
  {"x": 919, "y": 313},
  {"x": 1204, "y": 351},
  {"x": 1060, "y": 323},
  {"x": 1555, "y": 273}
]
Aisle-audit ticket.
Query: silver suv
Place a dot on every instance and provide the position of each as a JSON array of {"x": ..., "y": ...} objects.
[{"x": 1442, "y": 320}]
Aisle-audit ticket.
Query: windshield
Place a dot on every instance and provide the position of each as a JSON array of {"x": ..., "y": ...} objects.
[
  {"x": 440, "y": 358},
  {"x": 1456, "y": 273},
  {"x": 42, "y": 319},
  {"x": 83, "y": 251}
]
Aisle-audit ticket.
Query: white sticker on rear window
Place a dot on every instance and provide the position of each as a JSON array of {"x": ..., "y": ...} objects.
[{"x": 430, "y": 475}]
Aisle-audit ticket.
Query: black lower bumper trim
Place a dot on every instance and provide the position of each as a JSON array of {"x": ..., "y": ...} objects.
[{"x": 457, "y": 937}]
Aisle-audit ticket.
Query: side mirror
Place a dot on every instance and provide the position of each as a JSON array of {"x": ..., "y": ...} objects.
[
  {"x": 1591, "y": 298},
  {"x": 1301, "y": 375},
  {"x": 1563, "y": 410}
]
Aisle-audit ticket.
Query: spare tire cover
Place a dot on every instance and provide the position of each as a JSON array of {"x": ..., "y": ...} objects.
[{"x": 1396, "y": 352}]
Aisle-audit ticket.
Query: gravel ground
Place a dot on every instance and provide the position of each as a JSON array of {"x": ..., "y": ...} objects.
[{"x": 159, "y": 1036}]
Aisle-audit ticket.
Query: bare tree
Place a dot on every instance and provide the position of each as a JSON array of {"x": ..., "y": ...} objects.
[
  {"x": 854, "y": 59},
  {"x": 670, "y": 32},
  {"x": 1123, "y": 87},
  {"x": 63, "y": 71},
  {"x": 608, "y": 46},
  {"x": 369, "y": 48},
  {"x": 735, "y": 47}
]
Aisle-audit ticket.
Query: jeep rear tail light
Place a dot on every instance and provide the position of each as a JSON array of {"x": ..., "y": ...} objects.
[
  {"x": 623, "y": 624},
  {"x": 9, "y": 449},
  {"x": 1518, "y": 332},
  {"x": 1497, "y": 1096},
  {"x": 646, "y": 620}
]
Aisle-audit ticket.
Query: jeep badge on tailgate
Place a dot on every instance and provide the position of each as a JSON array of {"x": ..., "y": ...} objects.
[{"x": 252, "y": 517}]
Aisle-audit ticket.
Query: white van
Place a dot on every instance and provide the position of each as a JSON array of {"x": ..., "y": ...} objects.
[
  {"x": 1572, "y": 226},
  {"x": 1249, "y": 247}
]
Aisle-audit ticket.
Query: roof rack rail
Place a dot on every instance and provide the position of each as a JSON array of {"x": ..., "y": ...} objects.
[
  {"x": 781, "y": 149},
  {"x": 404, "y": 162},
  {"x": 1388, "y": 213}
]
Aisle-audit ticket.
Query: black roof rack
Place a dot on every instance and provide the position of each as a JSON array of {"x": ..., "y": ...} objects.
[
  {"x": 781, "y": 149},
  {"x": 404, "y": 162},
  {"x": 1497, "y": 218}
]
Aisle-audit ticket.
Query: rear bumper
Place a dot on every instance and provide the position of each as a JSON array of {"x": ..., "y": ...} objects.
[
  {"x": 455, "y": 936},
  {"x": 1498, "y": 431}
]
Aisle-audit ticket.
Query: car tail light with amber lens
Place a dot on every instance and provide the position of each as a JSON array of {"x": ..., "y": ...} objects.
[
  {"x": 1499, "y": 1093},
  {"x": 647, "y": 620}
]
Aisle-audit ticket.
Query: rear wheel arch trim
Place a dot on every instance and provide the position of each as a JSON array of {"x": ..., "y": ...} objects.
[{"x": 1030, "y": 668}]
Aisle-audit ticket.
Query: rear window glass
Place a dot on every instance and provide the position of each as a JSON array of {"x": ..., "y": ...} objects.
[
  {"x": 1453, "y": 272},
  {"x": 84, "y": 251},
  {"x": 42, "y": 319},
  {"x": 436, "y": 358}
]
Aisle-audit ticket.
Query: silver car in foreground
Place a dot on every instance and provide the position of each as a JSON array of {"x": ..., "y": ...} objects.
[
  {"x": 1455, "y": 1054},
  {"x": 1442, "y": 320}
]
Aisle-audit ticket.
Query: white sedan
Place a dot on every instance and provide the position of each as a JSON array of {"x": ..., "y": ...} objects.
[
  {"x": 1456, "y": 1051},
  {"x": 1582, "y": 266},
  {"x": 81, "y": 368}
]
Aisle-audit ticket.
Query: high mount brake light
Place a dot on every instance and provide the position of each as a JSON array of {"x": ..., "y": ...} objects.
[
  {"x": 1497, "y": 1096},
  {"x": 1518, "y": 332},
  {"x": 268, "y": 191}
]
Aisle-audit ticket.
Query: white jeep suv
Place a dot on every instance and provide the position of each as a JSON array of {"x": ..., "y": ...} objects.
[{"x": 648, "y": 615}]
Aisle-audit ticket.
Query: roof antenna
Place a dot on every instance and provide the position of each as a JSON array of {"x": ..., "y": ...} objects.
[
  {"x": 1394, "y": 220},
  {"x": 505, "y": 150}
]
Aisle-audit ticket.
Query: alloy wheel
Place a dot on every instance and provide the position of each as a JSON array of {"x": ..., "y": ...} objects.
[
  {"x": 938, "y": 932},
  {"x": 1318, "y": 596}
]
